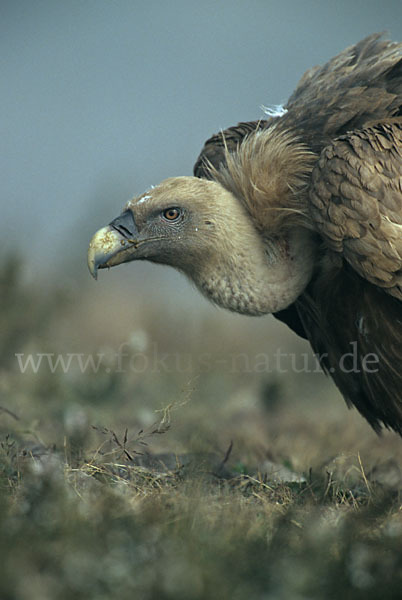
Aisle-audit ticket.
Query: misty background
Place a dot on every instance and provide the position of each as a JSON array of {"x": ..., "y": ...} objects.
[{"x": 100, "y": 99}]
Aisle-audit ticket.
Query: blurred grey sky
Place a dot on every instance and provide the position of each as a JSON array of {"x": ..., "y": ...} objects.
[{"x": 101, "y": 98}]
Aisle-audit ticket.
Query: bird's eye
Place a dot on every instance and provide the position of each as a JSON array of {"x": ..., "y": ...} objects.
[{"x": 171, "y": 214}]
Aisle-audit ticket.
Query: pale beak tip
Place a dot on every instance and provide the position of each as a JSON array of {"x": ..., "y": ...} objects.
[
  {"x": 94, "y": 271},
  {"x": 104, "y": 245},
  {"x": 92, "y": 266}
]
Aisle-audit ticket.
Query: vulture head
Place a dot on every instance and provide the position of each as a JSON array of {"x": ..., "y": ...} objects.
[{"x": 201, "y": 228}]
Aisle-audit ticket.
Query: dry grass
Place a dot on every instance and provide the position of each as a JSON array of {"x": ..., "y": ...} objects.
[{"x": 191, "y": 483}]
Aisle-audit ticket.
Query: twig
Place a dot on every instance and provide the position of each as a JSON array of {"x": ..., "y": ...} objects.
[{"x": 9, "y": 412}]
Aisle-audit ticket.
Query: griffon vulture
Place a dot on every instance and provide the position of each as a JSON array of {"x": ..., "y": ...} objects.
[{"x": 299, "y": 215}]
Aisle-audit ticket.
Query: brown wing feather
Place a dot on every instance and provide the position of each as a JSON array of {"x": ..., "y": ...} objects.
[
  {"x": 356, "y": 331},
  {"x": 360, "y": 85},
  {"x": 356, "y": 202}
]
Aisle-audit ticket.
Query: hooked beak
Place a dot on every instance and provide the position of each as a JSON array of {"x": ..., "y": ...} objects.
[{"x": 113, "y": 244}]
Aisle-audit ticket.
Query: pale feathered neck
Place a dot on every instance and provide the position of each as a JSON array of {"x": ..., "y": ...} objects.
[{"x": 268, "y": 173}]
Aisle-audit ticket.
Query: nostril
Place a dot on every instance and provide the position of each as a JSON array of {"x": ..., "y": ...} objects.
[
  {"x": 123, "y": 230},
  {"x": 125, "y": 224}
]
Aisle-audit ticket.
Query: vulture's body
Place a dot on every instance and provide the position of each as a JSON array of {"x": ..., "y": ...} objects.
[{"x": 301, "y": 216}]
